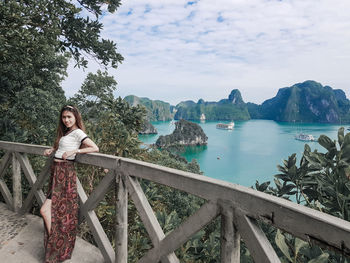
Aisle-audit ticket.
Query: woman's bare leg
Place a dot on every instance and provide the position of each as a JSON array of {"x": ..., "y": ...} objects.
[{"x": 45, "y": 211}]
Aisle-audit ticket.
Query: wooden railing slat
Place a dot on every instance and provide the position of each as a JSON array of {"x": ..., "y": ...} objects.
[
  {"x": 121, "y": 227},
  {"x": 30, "y": 175},
  {"x": 23, "y": 147},
  {"x": 98, "y": 194},
  {"x": 16, "y": 184},
  {"x": 99, "y": 159},
  {"x": 5, "y": 161},
  {"x": 181, "y": 234},
  {"x": 98, "y": 233},
  {"x": 6, "y": 194},
  {"x": 230, "y": 237},
  {"x": 145, "y": 211},
  {"x": 258, "y": 245},
  {"x": 37, "y": 185},
  {"x": 147, "y": 216},
  {"x": 26, "y": 167}
]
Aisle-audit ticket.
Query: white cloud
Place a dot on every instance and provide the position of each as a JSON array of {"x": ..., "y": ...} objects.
[{"x": 174, "y": 51}]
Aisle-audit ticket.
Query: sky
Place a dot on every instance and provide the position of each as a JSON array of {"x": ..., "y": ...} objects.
[{"x": 178, "y": 50}]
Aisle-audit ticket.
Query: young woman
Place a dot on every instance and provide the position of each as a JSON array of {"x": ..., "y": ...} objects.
[{"x": 60, "y": 210}]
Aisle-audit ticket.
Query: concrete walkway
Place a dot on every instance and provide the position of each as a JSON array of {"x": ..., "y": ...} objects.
[{"x": 21, "y": 240}]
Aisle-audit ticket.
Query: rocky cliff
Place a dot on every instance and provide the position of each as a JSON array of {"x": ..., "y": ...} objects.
[
  {"x": 304, "y": 102},
  {"x": 185, "y": 133},
  {"x": 148, "y": 128},
  {"x": 156, "y": 110},
  {"x": 232, "y": 108}
]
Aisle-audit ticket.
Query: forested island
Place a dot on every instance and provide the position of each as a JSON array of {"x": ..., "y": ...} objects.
[{"x": 186, "y": 133}]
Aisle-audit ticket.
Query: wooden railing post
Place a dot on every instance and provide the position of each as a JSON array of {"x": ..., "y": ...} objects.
[
  {"x": 16, "y": 184},
  {"x": 230, "y": 238},
  {"x": 121, "y": 236}
]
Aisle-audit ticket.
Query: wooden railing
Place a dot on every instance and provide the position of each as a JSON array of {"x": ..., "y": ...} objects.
[{"x": 238, "y": 206}]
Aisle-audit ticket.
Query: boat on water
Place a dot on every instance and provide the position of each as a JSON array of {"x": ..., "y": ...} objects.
[
  {"x": 305, "y": 137},
  {"x": 225, "y": 126}
]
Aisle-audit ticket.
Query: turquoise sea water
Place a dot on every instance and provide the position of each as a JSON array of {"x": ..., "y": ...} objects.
[{"x": 251, "y": 151}]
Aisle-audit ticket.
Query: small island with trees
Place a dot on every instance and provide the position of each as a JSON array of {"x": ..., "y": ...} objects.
[{"x": 185, "y": 133}]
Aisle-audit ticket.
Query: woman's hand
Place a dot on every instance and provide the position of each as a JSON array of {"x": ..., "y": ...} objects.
[
  {"x": 48, "y": 152},
  {"x": 65, "y": 155}
]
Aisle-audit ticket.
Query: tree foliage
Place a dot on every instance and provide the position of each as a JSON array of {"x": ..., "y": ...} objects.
[
  {"x": 37, "y": 38},
  {"x": 64, "y": 25},
  {"x": 321, "y": 181},
  {"x": 111, "y": 122}
]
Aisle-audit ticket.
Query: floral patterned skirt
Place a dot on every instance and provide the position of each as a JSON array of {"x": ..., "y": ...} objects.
[{"x": 60, "y": 243}]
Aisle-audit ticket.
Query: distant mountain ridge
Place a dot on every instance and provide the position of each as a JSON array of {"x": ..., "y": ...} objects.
[{"x": 308, "y": 101}]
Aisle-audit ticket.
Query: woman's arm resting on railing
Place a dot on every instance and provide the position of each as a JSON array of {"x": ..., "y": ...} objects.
[{"x": 88, "y": 147}]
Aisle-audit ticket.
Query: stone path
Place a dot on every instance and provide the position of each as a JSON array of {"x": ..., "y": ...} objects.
[
  {"x": 11, "y": 224},
  {"x": 21, "y": 241}
]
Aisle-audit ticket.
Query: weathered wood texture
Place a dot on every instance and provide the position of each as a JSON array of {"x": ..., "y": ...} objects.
[
  {"x": 230, "y": 238},
  {"x": 35, "y": 183},
  {"x": 181, "y": 234},
  {"x": 98, "y": 194},
  {"x": 5, "y": 162},
  {"x": 96, "y": 228},
  {"x": 121, "y": 227},
  {"x": 255, "y": 239},
  {"x": 238, "y": 206},
  {"x": 16, "y": 184},
  {"x": 147, "y": 216}
]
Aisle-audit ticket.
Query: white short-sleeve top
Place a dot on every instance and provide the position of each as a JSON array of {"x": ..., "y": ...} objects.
[{"x": 70, "y": 142}]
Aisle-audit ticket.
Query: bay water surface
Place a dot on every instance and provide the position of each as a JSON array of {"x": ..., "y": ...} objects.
[{"x": 249, "y": 152}]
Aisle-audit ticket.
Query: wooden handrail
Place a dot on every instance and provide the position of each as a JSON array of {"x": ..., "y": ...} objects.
[{"x": 238, "y": 206}]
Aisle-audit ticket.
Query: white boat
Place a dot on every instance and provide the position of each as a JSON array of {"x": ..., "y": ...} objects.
[
  {"x": 305, "y": 137},
  {"x": 202, "y": 118},
  {"x": 225, "y": 126}
]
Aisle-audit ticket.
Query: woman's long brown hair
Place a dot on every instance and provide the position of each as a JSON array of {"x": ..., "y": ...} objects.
[{"x": 62, "y": 129}]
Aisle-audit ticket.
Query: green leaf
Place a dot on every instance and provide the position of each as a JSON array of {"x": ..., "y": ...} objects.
[
  {"x": 281, "y": 243},
  {"x": 261, "y": 187},
  {"x": 341, "y": 136},
  {"x": 307, "y": 148},
  {"x": 347, "y": 139},
  {"x": 299, "y": 243},
  {"x": 326, "y": 142},
  {"x": 323, "y": 258}
]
